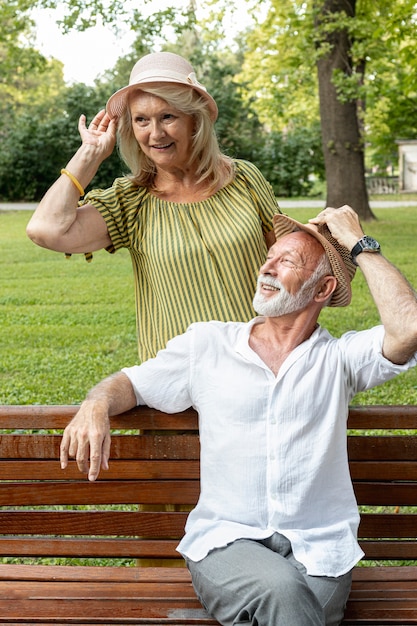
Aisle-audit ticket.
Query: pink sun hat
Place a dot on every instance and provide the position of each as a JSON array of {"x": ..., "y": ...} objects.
[{"x": 159, "y": 67}]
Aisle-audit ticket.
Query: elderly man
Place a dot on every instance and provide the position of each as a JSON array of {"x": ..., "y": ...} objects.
[{"x": 272, "y": 540}]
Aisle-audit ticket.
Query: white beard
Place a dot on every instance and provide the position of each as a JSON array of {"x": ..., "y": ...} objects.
[{"x": 283, "y": 302}]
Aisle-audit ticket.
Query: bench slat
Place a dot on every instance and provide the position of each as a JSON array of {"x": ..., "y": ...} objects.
[
  {"x": 382, "y": 448},
  {"x": 102, "y": 492},
  {"x": 118, "y": 470},
  {"x": 154, "y": 446},
  {"x": 385, "y": 493},
  {"x": 172, "y": 491},
  {"x": 123, "y": 446},
  {"x": 395, "y": 417},
  {"x": 57, "y": 417},
  {"x": 384, "y": 525},
  {"x": 118, "y": 523},
  {"x": 389, "y": 550},
  {"x": 162, "y": 548},
  {"x": 383, "y": 470},
  {"x": 89, "y": 548}
]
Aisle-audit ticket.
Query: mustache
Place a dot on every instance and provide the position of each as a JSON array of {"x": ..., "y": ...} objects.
[{"x": 269, "y": 280}]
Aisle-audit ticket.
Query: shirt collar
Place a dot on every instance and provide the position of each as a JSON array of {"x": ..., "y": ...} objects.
[{"x": 242, "y": 342}]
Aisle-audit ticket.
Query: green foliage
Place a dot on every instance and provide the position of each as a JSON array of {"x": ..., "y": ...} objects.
[
  {"x": 380, "y": 72},
  {"x": 292, "y": 162},
  {"x": 279, "y": 66},
  {"x": 37, "y": 146},
  {"x": 264, "y": 81},
  {"x": 44, "y": 133},
  {"x": 238, "y": 128}
]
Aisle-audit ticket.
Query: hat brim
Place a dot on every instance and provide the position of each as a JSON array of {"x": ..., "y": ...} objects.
[
  {"x": 117, "y": 103},
  {"x": 339, "y": 257}
]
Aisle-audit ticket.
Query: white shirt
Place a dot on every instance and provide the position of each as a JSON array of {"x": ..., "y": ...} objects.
[{"x": 273, "y": 448}]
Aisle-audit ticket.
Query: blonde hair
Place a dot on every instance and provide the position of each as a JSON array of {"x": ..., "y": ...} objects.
[{"x": 214, "y": 168}]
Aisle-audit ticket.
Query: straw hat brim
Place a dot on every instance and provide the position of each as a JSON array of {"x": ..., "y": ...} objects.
[
  {"x": 117, "y": 103},
  {"x": 339, "y": 256}
]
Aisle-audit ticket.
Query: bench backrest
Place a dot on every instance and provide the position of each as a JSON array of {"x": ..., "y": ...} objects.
[{"x": 47, "y": 512}]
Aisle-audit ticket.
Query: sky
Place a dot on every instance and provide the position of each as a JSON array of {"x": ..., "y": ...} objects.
[
  {"x": 84, "y": 55},
  {"x": 88, "y": 54}
]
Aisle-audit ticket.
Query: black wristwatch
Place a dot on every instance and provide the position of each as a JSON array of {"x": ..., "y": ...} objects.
[{"x": 366, "y": 244}]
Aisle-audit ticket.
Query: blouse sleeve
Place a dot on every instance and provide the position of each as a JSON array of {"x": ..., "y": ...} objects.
[{"x": 261, "y": 191}]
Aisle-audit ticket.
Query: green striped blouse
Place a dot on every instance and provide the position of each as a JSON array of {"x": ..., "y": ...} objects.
[{"x": 192, "y": 261}]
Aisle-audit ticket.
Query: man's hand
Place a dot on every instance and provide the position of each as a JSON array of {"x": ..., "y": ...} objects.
[
  {"x": 87, "y": 439},
  {"x": 343, "y": 224}
]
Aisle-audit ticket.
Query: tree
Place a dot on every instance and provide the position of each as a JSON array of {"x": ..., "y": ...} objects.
[
  {"x": 300, "y": 42},
  {"x": 361, "y": 55},
  {"x": 343, "y": 145}
]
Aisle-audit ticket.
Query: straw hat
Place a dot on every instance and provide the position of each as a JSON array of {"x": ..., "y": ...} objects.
[
  {"x": 156, "y": 68},
  {"x": 339, "y": 256}
]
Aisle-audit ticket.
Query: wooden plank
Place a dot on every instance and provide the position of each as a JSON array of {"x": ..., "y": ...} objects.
[
  {"x": 389, "y": 550},
  {"x": 376, "y": 575},
  {"x": 383, "y": 470},
  {"x": 118, "y": 523},
  {"x": 101, "y": 609},
  {"x": 102, "y": 492},
  {"x": 379, "y": 612},
  {"x": 163, "y": 491},
  {"x": 104, "y": 548},
  {"x": 395, "y": 417},
  {"x": 118, "y": 470},
  {"x": 186, "y": 446},
  {"x": 386, "y": 493},
  {"x": 122, "y": 446},
  {"x": 383, "y": 448},
  {"x": 90, "y": 573},
  {"x": 49, "y": 469},
  {"x": 387, "y": 525},
  {"x": 57, "y": 417}
]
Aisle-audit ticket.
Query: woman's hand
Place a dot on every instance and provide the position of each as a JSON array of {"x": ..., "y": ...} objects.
[{"x": 101, "y": 133}]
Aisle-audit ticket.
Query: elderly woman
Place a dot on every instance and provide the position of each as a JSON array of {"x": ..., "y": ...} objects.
[{"x": 196, "y": 222}]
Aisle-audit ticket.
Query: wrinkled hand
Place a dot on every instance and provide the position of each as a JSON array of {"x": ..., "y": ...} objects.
[
  {"x": 87, "y": 439},
  {"x": 343, "y": 224},
  {"x": 101, "y": 133}
]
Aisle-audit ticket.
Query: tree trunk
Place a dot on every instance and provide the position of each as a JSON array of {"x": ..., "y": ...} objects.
[{"x": 341, "y": 138}]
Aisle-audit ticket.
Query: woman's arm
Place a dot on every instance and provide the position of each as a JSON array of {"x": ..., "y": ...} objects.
[{"x": 58, "y": 223}]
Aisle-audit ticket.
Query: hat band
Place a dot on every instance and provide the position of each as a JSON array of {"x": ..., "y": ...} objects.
[{"x": 167, "y": 74}]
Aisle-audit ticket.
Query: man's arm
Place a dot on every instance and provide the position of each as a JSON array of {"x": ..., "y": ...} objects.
[
  {"x": 394, "y": 297},
  {"x": 87, "y": 436},
  {"x": 397, "y": 306}
]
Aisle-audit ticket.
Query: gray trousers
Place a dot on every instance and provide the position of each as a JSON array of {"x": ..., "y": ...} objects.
[{"x": 261, "y": 583}]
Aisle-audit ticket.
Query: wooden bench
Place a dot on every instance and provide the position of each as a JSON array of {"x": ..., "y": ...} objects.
[{"x": 50, "y": 513}]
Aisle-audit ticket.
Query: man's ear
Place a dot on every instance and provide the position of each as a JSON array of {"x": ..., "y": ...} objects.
[{"x": 325, "y": 288}]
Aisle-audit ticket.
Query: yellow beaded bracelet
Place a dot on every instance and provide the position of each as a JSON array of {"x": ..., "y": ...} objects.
[{"x": 74, "y": 180}]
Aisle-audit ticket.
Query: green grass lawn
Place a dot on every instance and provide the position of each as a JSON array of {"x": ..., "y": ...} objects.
[{"x": 66, "y": 324}]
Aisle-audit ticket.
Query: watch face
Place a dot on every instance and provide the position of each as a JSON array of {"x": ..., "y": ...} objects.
[{"x": 369, "y": 243}]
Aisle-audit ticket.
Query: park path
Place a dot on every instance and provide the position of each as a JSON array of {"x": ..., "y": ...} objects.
[{"x": 284, "y": 204}]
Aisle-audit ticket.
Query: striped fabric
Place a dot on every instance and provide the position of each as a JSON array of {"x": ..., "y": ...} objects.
[{"x": 191, "y": 261}]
